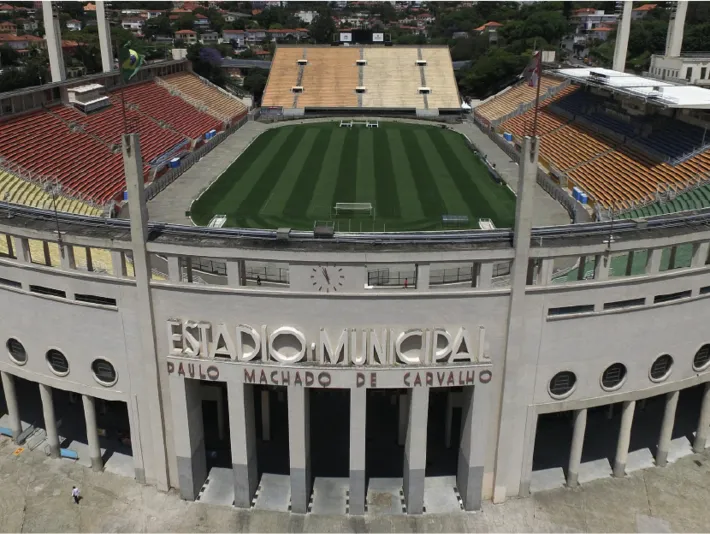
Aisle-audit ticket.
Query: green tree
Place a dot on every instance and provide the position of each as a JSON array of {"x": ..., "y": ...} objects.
[
  {"x": 158, "y": 26},
  {"x": 491, "y": 72},
  {"x": 322, "y": 28},
  {"x": 255, "y": 82},
  {"x": 8, "y": 56},
  {"x": 186, "y": 22}
]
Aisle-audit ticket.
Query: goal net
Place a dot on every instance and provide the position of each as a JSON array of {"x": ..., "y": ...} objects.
[{"x": 353, "y": 207}]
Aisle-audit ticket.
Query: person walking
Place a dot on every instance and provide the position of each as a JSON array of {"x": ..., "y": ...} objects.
[{"x": 75, "y": 494}]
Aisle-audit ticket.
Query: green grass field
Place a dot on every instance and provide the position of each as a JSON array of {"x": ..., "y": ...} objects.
[{"x": 293, "y": 176}]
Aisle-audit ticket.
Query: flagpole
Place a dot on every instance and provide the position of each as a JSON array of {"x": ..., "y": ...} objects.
[{"x": 123, "y": 86}]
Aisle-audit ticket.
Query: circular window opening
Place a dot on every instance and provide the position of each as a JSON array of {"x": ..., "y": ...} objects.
[
  {"x": 104, "y": 372},
  {"x": 17, "y": 351},
  {"x": 57, "y": 362},
  {"x": 661, "y": 368},
  {"x": 613, "y": 376},
  {"x": 702, "y": 358},
  {"x": 562, "y": 384}
]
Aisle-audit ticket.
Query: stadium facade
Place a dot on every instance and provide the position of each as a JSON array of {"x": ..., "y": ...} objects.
[{"x": 562, "y": 354}]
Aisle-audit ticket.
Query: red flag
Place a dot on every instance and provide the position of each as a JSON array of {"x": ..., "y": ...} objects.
[{"x": 532, "y": 71}]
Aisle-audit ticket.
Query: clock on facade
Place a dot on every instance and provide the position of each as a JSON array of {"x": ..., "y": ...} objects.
[{"x": 327, "y": 278}]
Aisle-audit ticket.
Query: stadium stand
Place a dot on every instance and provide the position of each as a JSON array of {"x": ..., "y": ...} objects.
[
  {"x": 440, "y": 78},
  {"x": 392, "y": 78},
  {"x": 218, "y": 104},
  {"x": 282, "y": 77},
  {"x": 329, "y": 78},
  {"x": 696, "y": 198},
  {"x": 510, "y": 100}
]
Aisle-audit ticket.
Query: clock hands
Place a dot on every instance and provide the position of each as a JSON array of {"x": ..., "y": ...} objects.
[{"x": 325, "y": 274}]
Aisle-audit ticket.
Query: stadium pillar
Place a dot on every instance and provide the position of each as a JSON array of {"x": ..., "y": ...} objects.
[
  {"x": 545, "y": 273},
  {"x": 415, "y": 449},
  {"x": 53, "y": 36},
  {"x": 265, "y": 415},
  {"x": 145, "y": 366},
  {"x": 581, "y": 267},
  {"x": 575, "y": 453},
  {"x": 50, "y": 421},
  {"x": 13, "y": 411},
  {"x": 485, "y": 275},
  {"x": 674, "y": 37},
  {"x": 92, "y": 433},
  {"x": 299, "y": 447},
  {"x": 234, "y": 274},
  {"x": 601, "y": 267},
  {"x": 358, "y": 421},
  {"x": 188, "y": 433},
  {"x": 630, "y": 263},
  {"x": 242, "y": 428},
  {"x": 701, "y": 433},
  {"x": 510, "y": 447},
  {"x": 422, "y": 277},
  {"x": 622, "y": 444},
  {"x": 700, "y": 254},
  {"x": 22, "y": 249},
  {"x": 67, "y": 259},
  {"x": 653, "y": 261},
  {"x": 664, "y": 440},
  {"x": 104, "y": 37},
  {"x": 622, "y": 38},
  {"x": 174, "y": 271},
  {"x": 472, "y": 449},
  {"x": 118, "y": 263}
]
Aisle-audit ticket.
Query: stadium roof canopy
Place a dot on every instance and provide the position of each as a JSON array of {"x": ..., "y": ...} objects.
[{"x": 658, "y": 92}]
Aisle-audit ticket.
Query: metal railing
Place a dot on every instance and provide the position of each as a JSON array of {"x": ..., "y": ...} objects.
[{"x": 392, "y": 278}]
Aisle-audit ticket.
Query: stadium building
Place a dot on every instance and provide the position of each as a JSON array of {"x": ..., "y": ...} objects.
[{"x": 319, "y": 370}]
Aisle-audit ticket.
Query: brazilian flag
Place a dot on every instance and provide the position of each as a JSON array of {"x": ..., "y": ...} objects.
[{"x": 130, "y": 62}]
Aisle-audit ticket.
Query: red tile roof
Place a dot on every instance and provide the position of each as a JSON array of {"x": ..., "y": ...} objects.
[
  {"x": 186, "y": 32},
  {"x": 646, "y": 7}
]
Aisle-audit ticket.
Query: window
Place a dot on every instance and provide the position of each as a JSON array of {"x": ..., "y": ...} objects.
[
  {"x": 705, "y": 290},
  {"x": 703, "y": 72},
  {"x": 661, "y": 368},
  {"x": 613, "y": 376},
  {"x": 104, "y": 372},
  {"x": 689, "y": 73},
  {"x": 562, "y": 384},
  {"x": 48, "y": 291},
  {"x": 702, "y": 358},
  {"x": 671, "y": 296},
  {"x": 569, "y": 310},
  {"x": 11, "y": 283},
  {"x": 57, "y": 362},
  {"x": 94, "y": 299},
  {"x": 424, "y": 90},
  {"x": 624, "y": 304},
  {"x": 17, "y": 351}
]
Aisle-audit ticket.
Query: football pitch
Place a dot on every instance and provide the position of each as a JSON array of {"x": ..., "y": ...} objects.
[{"x": 411, "y": 175}]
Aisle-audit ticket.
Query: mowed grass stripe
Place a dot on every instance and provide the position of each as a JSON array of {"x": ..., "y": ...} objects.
[
  {"x": 229, "y": 188},
  {"x": 407, "y": 196},
  {"x": 321, "y": 202},
  {"x": 302, "y": 193},
  {"x": 483, "y": 196},
  {"x": 345, "y": 187},
  {"x": 387, "y": 197},
  {"x": 429, "y": 198},
  {"x": 282, "y": 190},
  {"x": 254, "y": 201},
  {"x": 365, "y": 182},
  {"x": 441, "y": 179}
]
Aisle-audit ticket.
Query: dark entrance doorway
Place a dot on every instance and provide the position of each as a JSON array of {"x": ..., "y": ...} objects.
[
  {"x": 384, "y": 455},
  {"x": 330, "y": 432}
]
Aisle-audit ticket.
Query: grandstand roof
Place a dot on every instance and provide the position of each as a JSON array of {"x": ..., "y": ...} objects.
[{"x": 663, "y": 93}]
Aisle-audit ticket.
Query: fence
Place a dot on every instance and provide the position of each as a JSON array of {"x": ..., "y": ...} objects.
[
  {"x": 451, "y": 276},
  {"x": 159, "y": 184},
  {"x": 265, "y": 273},
  {"x": 385, "y": 277}
]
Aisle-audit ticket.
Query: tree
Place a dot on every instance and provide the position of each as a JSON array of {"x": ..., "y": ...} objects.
[
  {"x": 255, "y": 82},
  {"x": 158, "y": 26},
  {"x": 491, "y": 72},
  {"x": 207, "y": 62},
  {"x": 8, "y": 56},
  {"x": 186, "y": 22},
  {"x": 322, "y": 28}
]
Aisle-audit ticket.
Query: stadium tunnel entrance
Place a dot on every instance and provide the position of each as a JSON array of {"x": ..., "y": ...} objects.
[
  {"x": 385, "y": 432},
  {"x": 330, "y": 432},
  {"x": 443, "y": 431}
]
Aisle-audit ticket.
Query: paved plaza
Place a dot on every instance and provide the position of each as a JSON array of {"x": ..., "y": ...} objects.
[{"x": 35, "y": 496}]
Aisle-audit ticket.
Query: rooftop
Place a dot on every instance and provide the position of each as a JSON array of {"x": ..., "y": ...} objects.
[{"x": 646, "y": 7}]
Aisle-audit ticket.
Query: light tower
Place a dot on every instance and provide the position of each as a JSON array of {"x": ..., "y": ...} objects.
[
  {"x": 53, "y": 36},
  {"x": 622, "y": 36},
  {"x": 674, "y": 37}
]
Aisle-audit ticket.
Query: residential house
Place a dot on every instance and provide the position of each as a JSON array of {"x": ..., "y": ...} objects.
[
  {"x": 6, "y": 9},
  {"x": 74, "y": 25},
  {"x": 641, "y": 11},
  {"x": 134, "y": 24},
  {"x": 8, "y": 27},
  {"x": 460, "y": 35},
  {"x": 600, "y": 33},
  {"x": 209, "y": 38},
  {"x": 153, "y": 13},
  {"x": 188, "y": 36},
  {"x": 90, "y": 8},
  {"x": 588, "y": 18},
  {"x": 236, "y": 37},
  {"x": 287, "y": 34},
  {"x": 27, "y": 25},
  {"x": 488, "y": 27},
  {"x": 23, "y": 43},
  {"x": 306, "y": 16},
  {"x": 202, "y": 22}
]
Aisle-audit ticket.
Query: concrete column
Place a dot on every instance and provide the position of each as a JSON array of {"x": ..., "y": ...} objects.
[
  {"x": 402, "y": 419},
  {"x": 10, "y": 248},
  {"x": 653, "y": 261},
  {"x": 544, "y": 276},
  {"x": 22, "y": 250},
  {"x": 174, "y": 270},
  {"x": 601, "y": 267},
  {"x": 46, "y": 254},
  {"x": 242, "y": 272},
  {"x": 147, "y": 367},
  {"x": 701, "y": 434},
  {"x": 664, "y": 440},
  {"x": 485, "y": 275},
  {"x": 514, "y": 365},
  {"x": 581, "y": 267},
  {"x": 299, "y": 448},
  {"x": 265, "y": 415},
  {"x": 104, "y": 37},
  {"x": 622, "y": 444},
  {"x": 575, "y": 453},
  {"x": 50, "y": 422},
  {"x": 92, "y": 433},
  {"x": 629, "y": 263},
  {"x": 53, "y": 36},
  {"x": 358, "y": 422},
  {"x": 118, "y": 263},
  {"x": 188, "y": 268},
  {"x": 674, "y": 37},
  {"x": 89, "y": 259},
  {"x": 622, "y": 38},
  {"x": 136, "y": 441},
  {"x": 423, "y": 276},
  {"x": 472, "y": 449},
  {"x": 242, "y": 427},
  {"x": 188, "y": 433},
  {"x": 13, "y": 411},
  {"x": 234, "y": 275},
  {"x": 67, "y": 259},
  {"x": 672, "y": 259},
  {"x": 415, "y": 449},
  {"x": 700, "y": 254}
]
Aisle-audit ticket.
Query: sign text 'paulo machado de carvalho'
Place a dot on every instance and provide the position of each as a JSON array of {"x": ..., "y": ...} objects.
[{"x": 359, "y": 347}]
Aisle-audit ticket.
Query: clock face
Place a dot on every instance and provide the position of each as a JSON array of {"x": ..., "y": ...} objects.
[{"x": 327, "y": 278}]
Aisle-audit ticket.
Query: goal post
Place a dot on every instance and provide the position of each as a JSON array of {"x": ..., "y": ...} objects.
[{"x": 353, "y": 207}]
